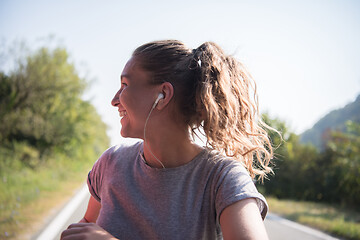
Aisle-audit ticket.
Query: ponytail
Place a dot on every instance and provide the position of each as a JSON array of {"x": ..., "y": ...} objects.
[{"x": 232, "y": 124}]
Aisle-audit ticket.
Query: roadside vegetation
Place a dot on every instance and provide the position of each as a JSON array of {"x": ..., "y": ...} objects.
[
  {"x": 320, "y": 188},
  {"x": 331, "y": 218},
  {"x": 49, "y": 136}
]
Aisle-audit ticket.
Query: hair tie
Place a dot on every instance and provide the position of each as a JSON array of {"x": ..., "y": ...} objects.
[{"x": 195, "y": 61}]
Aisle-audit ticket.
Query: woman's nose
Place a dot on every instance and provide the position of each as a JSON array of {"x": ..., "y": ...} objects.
[{"x": 116, "y": 99}]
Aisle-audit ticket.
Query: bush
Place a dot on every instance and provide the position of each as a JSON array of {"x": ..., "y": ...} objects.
[
  {"x": 304, "y": 173},
  {"x": 49, "y": 135}
]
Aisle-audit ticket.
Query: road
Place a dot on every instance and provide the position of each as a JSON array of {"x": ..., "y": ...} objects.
[{"x": 278, "y": 228}]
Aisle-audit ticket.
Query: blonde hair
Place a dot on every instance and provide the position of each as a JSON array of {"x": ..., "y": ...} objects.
[{"x": 215, "y": 93}]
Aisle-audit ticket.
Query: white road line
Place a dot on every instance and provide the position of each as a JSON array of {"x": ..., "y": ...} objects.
[
  {"x": 58, "y": 222},
  {"x": 300, "y": 227}
]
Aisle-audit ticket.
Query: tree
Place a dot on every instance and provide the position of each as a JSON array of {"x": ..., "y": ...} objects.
[
  {"x": 303, "y": 173},
  {"x": 49, "y": 135},
  {"x": 292, "y": 164},
  {"x": 343, "y": 169},
  {"x": 41, "y": 106}
]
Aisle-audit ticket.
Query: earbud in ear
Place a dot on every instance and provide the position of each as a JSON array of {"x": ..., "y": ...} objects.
[{"x": 160, "y": 96}]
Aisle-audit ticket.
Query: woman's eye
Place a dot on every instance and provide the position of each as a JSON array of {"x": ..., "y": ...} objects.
[{"x": 123, "y": 84}]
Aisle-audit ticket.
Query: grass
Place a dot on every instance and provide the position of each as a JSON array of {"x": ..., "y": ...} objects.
[
  {"x": 27, "y": 195},
  {"x": 333, "y": 219}
]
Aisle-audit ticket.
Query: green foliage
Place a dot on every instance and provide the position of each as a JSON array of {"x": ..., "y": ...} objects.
[
  {"x": 41, "y": 109},
  {"x": 22, "y": 188},
  {"x": 291, "y": 161},
  {"x": 49, "y": 135},
  {"x": 343, "y": 153},
  {"x": 304, "y": 173}
]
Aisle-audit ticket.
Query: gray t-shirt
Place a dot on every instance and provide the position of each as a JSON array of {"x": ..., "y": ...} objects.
[{"x": 141, "y": 202}]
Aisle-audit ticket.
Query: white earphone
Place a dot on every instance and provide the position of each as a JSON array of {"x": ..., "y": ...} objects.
[{"x": 160, "y": 96}]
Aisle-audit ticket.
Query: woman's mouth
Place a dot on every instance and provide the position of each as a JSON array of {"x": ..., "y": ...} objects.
[{"x": 122, "y": 113}]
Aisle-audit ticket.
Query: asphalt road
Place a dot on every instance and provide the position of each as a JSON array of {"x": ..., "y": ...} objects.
[{"x": 278, "y": 228}]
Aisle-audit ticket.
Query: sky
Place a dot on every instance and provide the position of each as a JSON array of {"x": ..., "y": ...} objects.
[{"x": 304, "y": 54}]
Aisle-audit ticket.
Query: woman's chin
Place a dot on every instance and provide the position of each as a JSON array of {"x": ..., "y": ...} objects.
[
  {"x": 124, "y": 134},
  {"x": 127, "y": 134}
]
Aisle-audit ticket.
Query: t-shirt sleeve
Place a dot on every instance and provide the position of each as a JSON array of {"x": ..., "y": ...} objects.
[
  {"x": 235, "y": 184},
  {"x": 96, "y": 176}
]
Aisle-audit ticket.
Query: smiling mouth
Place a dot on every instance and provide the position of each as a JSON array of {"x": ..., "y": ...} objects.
[{"x": 122, "y": 113}]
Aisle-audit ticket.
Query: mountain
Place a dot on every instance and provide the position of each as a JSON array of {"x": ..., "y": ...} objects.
[{"x": 335, "y": 120}]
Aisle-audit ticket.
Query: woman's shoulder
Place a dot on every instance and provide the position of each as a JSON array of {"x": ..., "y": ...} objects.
[
  {"x": 218, "y": 166},
  {"x": 124, "y": 148},
  {"x": 120, "y": 151},
  {"x": 221, "y": 161}
]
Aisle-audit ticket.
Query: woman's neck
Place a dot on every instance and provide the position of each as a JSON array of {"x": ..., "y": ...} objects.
[{"x": 171, "y": 148}]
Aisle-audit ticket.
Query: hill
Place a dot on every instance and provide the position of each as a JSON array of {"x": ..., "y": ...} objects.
[{"x": 335, "y": 120}]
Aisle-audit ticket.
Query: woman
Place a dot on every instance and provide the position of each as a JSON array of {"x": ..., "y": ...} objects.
[{"x": 166, "y": 186}]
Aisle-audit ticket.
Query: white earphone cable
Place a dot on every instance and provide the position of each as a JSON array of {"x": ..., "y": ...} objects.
[{"x": 147, "y": 119}]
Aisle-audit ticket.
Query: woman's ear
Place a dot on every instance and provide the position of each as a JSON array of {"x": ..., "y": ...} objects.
[{"x": 167, "y": 90}]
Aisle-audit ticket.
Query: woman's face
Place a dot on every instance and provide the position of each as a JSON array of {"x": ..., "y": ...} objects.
[{"x": 134, "y": 99}]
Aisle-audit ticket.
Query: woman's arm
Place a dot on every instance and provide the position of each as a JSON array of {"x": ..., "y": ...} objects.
[
  {"x": 242, "y": 221},
  {"x": 86, "y": 229},
  {"x": 92, "y": 211}
]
